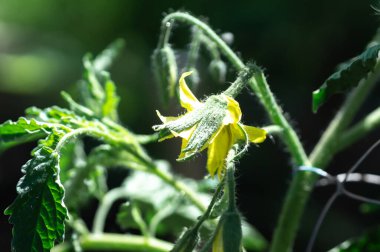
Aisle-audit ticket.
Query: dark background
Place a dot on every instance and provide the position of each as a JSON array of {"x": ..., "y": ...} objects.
[{"x": 298, "y": 42}]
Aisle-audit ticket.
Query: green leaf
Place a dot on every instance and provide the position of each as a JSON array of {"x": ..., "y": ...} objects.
[
  {"x": 111, "y": 100},
  {"x": 38, "y": 212},
  {"x": 107, "y": 57},
  {"x": 369, "y": 242},
  {"x": 166, "y": 211},
  {"x": 97, "y": 91},
  {"x": 21, "y": 131},
  {"x": 369, "y": 208},
  {"x": 347, "y": 77}
]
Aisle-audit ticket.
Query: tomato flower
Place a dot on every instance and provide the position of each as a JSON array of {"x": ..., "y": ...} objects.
[{"x": 213, "y": 124}]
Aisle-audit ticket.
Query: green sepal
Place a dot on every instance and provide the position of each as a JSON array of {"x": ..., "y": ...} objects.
[
  {"x": 212, "y": 116},
  {"x": 347, "y": 77}
]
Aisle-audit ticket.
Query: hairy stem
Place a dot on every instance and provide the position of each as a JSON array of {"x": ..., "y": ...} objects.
[
  {"x": 324, "y": 151},
  {"x": 117, "y": 242},
  {"x": 322, "y": 154},
  {"x": 265, "y": 95},
  {"x": 276, "y": 114},
  {"x": 327, "y": 145},
  {"x": 179, "y": 186},
  {"x": 289, "y": 219},
  {"x": 359, "y": 130},
  {"x": 104, "y": 207}
]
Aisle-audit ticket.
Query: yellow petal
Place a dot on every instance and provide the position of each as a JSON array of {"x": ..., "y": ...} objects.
[
  {"x": 217, "y": 244},
  {"x": 255, "y": 135},
  {"x": 187, "y": 98},
  {"x": 183, "y": 146},
  {"x": 233, "y": 114},
  {"x": 185, "y": 135},
  {"x": 217, "y": 152}
]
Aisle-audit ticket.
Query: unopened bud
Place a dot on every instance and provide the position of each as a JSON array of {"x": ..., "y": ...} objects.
[
  {"x": 218, "y": 70},
  {"x": 165, "y": 71},
  {"x": 187, "y": 241},
  {"x": 193, "y": 79},
  {"x": 228, "y": 235}
]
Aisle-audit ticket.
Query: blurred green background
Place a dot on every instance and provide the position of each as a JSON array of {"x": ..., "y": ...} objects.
[{"x": 299, "y": 43}]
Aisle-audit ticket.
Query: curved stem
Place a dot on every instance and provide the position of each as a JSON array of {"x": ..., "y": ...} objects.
[
  {"x": 296, "y": 199},
  {"x": 359, "y": 130},
  {"x": 327, "y": 145},
  {"x": 302, "y": 183},
  {"x": 104, "y": 207},
  {"x": 179, "y": 186},
  {"x": 322, "y": 154},
  {"x": 166, "y": 28},
  {"x": 117, "y": 242},
  {"x": 194, "y": 49},
  {"x": 224, "y": 48},
  {"x": 276, "y": 114},
  {"x": 258, "y": 83}
]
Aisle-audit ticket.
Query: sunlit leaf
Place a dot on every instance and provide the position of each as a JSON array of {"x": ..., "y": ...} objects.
[
  {"x": 38, "y": 213},
  {"x": 347, "y": 77},
  {"x": 21, "y": 131}
]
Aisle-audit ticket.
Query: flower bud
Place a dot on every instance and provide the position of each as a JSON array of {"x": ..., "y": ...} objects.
[
  {"x": 187, "y": 241},
  {"x": 193, "y": 80},
  {"x": 165, "y": 71},
  {"x": 218, "y": 70},
  {"x": 228, "y": 235}
]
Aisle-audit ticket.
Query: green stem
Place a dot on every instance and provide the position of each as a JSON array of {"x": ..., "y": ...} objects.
[
  {"x": 230, "y": 181},
  {"x": 117, "y": 242},
  {"x": 104, "y": 207},
  {"x": 211, "y": 47},
  {"x": 361, "y": 129},
  {"x": 302, "y": 184},
  {"x": 273, "y": 129},
  {"x": 328, "y": 144},
  {"x": 224, "y": 48},
  {"x": 123, "y": 158},
  {"x": 266, "y": 97},
  {"x": 289, "y": 220},
  {"x": 194, "y": 49},
  {"x": 179, "y": 186},
  {"x": 259, "y": 84},
  {"x": 166, "y": 28}
]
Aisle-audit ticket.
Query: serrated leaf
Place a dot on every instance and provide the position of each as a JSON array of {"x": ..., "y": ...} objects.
[
  {"x": 369, "y": 242},
  {"x": 97, "y": 91},
  {"x": 347, "y": 77},
  {"x": 21, "y": 131},
  {"x": 38, "y": 213}
]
